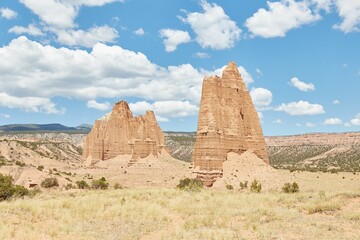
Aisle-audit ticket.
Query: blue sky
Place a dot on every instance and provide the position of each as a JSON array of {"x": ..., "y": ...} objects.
[{"x": 69, "y": 61}]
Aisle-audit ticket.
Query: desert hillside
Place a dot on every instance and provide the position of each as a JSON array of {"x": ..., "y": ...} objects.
[{"x": 312, "y": 152}]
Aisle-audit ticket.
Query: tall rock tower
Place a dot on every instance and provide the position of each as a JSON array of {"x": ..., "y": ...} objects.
[
  {"x": 228, "y": 122},
  {"x": 119, "y": 133}
]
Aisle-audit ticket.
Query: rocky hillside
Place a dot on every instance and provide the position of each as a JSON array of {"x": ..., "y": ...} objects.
[
  {"x": 316, "y": 152},
  {"x": 311, "y": 152}
]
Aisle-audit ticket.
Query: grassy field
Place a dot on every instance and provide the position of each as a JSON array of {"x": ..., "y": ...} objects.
[{"x": 177, "y": 214}]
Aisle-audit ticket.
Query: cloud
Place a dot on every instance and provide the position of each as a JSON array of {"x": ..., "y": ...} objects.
[
  {"x": 99, "y": 106},
  {"x": 172, "y": 38},
  {"x": 7, "y": 13},
  {"x": 310, "y": 125},
  {"x": 139, "y": 32},
  {"x": 3, "y": 115},
  {"x": 31, "y": 30},
  {"x": 60, "y": 14},
  {"x": 261, "y": 115},
  {"x": 278, "y": 121},
  {"x": 300, "y": 108},
  {"x": 103, "y": 34},
  {"x": 322, "y": 5},
  {"x": 336, "y": 101},
  {"x": 43, "y": 71},
  {"x": 261, "y": 97},
  {"x": 202, "y": 55},
  {"x": 161, "y": 119},
  {"x": 349, "y": 11},
  {"x": 48, "y": 11},
  {"x": 258, "y": 71},
  {"x": 295, "y": 82},
  {"x": 213, "y": 28},
  {"x": 29, "y": 104},
  {"x": 356, "y": 120},
  {"x": 332, "y": 121},
  {"x": 280, "y": 18},
  {"x": 173, "y": 109}
]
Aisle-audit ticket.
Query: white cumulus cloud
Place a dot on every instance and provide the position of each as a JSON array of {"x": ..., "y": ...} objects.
[
  {"x": 7, "y": 13},
  {"x": 31, "y": 30},
  {"x": 356, "y": 120},
  {"x": 172, "y": 38},
  {"x": 261, "y": 97},
  {"x": 310, "y": 125},
  {"x": 166, "y": 109},
  {"x": 213, "y": 28},
  {"x": 302, "y": 86},
  {"x": 29, "y": 104},
  {"x": 349, "y": 11},
  {"x": 332, "y": 121},
  {"x": 301, "y": 108},
  {"x": 278, "y": 121},
  {"x": 99, "y": 106},
  {"x": 139, "y": 32},
  {"x": 103, "y": 34},
  {"x": 202, "y": 55},
  {"x": 281, "y": 17},
  {"x": 336, "y": 101}
]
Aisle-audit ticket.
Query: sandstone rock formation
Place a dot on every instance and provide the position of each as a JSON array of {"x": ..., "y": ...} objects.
[
  {"x": 228, "y": 122},
  {"x": 120, "y": 133}
]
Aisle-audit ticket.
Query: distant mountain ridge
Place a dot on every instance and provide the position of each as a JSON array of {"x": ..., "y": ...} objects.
[{"x": 52, "y": 127}]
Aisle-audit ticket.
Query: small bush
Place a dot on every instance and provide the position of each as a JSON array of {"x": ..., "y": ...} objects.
[
  {"x": 69, "y": 186},
  {"x": 243, "y": 185},
  {"x": 19, "y": 163},
  {"x": 49, "y": 183},
  {"x": 118, "y": 186},
  {"x": 194, "y": 184},
  {"x": 290, "y": 187},
  {"x": 255, "y": 186},
  {"x": 40, "y": 168},
  {"x": 82, "y": 184},
  {"x": 100, "y": 184},
  {"x": 8, "y": 190},
  {"x": 229, "y": 187}
]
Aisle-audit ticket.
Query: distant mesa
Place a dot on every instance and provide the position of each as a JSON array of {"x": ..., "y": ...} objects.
[
  {"x": 228, "y": 122},
  {"x": 120, "y": 133}
]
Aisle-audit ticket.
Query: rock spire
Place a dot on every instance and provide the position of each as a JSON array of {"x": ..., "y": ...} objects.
[
  {"x": 228, "y": 122},
  {"x": 120, "y": 133}
]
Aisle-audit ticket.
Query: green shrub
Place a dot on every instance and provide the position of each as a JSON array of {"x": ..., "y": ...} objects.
[
  {"x": 82, "y": 184},
  {"x": 243, "y": 185},
  {"x": 49, "y": 182},
  {"x": 194, "y": 184},
  {"x": 40, "y": 168},
  {"x": 290, "y": 187},
  {"x": 255, "y": 186},
  {"x": 100, "y": 184},
  {"x": 6, "y": 187},
  {"x": 118, "y": 186},
  {"x": 8, "y": 190},
  {"x": 229, "y": 187},
  {"x": 20, "y": 191},
  {"x": 19, "y": 163},
  {"x": 69, "y": 186}
]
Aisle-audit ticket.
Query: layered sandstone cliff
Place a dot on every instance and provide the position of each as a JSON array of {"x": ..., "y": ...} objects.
[
  {"x": 228, "y": 122},
  {"x": 120, "y": 133}
]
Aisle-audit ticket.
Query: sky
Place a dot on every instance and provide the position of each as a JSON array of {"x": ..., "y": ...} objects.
[{"x": 69, "y": 61}]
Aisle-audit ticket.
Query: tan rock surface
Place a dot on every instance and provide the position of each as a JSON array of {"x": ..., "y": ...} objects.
[
  {"x": 120, "y": 133},
  {"x": 228, "y": 122}
]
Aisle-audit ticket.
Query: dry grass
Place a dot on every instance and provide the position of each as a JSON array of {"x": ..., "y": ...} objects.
[{"x": 176, "y": 214}]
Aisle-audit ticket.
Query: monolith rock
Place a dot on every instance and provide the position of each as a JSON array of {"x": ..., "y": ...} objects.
[
  {"x": 228, "y": 122},
  {"x": 120, "y": 133}
]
